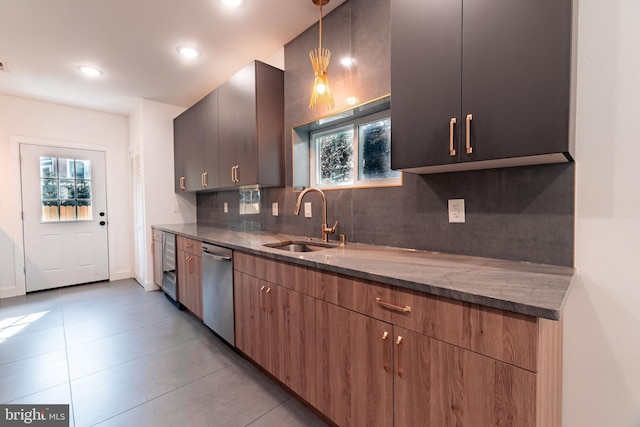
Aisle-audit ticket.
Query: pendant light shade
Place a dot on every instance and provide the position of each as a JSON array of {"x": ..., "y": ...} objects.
[{"x": 321, "y": 93}]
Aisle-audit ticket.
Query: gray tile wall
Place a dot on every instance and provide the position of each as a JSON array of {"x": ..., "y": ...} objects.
[{"x": 524, "y": 213}]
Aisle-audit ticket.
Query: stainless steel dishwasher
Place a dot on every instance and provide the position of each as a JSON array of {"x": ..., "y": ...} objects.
[{"x": 217, "y": 291}]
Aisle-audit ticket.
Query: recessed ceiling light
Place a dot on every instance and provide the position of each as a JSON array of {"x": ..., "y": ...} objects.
[
  {"x": 232, "y": 3},
  {"x": 89, "y": 71},
  {"x": 188, "y": 52}
]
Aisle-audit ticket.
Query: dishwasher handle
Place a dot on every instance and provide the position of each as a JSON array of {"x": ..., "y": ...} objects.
[{"x": 216, "y": 257}]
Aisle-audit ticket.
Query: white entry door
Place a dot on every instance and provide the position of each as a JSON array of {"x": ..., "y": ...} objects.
[{"x": 64, "y": 208}]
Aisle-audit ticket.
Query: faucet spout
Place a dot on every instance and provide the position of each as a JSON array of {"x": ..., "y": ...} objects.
[{"x": 326, "y": 230}]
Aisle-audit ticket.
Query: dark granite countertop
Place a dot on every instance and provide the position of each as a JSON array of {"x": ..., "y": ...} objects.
[{"x": 533, "y": 289}]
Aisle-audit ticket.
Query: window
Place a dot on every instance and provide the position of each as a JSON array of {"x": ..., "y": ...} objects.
[
  {"x": 354, "y": 155},
  {"x": 65, "y": 189}
]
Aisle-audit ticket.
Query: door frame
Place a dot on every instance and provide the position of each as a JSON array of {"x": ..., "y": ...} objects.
[{"x": 18, "y": 233}]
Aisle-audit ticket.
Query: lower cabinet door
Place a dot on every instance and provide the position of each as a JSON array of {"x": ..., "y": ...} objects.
[
  {"x": 251, "y": 317},
  {"x": 438, "y": 384},
  {"x": 354, "y": 372},
  {"x": 292, "y": 344},
  {"x": 190, "y": 282}
]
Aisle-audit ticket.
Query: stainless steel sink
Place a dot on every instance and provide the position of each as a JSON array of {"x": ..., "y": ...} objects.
[{"x": 300, "y": 246}]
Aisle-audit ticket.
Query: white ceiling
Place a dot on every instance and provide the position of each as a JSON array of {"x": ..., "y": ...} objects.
[{"x": 134, "y": 42}]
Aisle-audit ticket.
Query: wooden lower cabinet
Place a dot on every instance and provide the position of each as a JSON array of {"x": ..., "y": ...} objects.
[
  {"x": 439, "y": 384},
  {"x": 354, "y": 367},
  {"x": 275, "y": 327},
  {"x": 190, "y": 282},
  {"x": 445, "y": 364}
]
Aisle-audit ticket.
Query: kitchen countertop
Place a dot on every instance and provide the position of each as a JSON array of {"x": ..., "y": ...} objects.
[{"x": 533, "y": 289}]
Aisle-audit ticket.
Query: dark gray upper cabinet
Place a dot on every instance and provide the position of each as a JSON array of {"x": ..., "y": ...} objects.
[
  {"x": 181, "y": 132},
  {"x": 251, "y": 127},
  {"x": 500, "y": 68},
  {"x": 193, "y": 148},
  {"x": 235, "y": 135}
]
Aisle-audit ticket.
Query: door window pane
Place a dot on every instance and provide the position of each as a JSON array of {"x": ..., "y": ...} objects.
[{"x": 65, "y": 189}]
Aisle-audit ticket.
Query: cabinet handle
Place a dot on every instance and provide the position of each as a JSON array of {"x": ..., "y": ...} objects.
[
  {"x": 234, "y": 173},
  {"x": 182, "y": 183},
  {"x": 205, "y": 179},
  {"x": 384, "y": 351},
  {"x": 452, "y": 122},
  {"x": 189, "y": 263},
  {"x": 469, "y": 118},
  {"x": 269, "y": 309},
  {"x": 262, "y": 305},
  {"x": 405, "y": 309},
  {"x": 400, "y": 370}
]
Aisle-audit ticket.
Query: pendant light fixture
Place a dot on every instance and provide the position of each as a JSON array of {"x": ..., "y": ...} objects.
[{"x": 321, "y": 94}]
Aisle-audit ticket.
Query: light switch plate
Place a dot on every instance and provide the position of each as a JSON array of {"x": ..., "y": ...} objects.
[
  {"x": 456, "y": 211},
  {"x": 274, "y": 208},
  {"x": 307, "y": 209},
  {"x": 226, "y": 207},
  {"x": 176, "y": 208}
]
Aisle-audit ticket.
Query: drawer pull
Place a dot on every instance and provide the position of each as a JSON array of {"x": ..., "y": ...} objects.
[{"x": 405, "y": 309}]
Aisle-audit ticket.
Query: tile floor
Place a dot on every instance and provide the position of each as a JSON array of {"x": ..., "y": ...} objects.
[{"x": 121, "y": 356}]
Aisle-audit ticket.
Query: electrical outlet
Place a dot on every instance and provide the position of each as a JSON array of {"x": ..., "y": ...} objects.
[
  {"x": 307, "y": 209},
  {"x": 456, "y": 211},
  {"x": 274, "y": 208},
  {"x": 226, "y": 207}
]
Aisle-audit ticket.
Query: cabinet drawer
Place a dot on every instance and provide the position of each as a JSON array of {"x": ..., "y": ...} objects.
[
  {"x": 291, "y": 276},
  {"x": 505, "y": 336},
  {"x": 190, "y": 246}
]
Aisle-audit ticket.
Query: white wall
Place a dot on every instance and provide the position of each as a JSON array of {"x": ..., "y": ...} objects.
[
  {"x": 20, "y": 117},
  {"x": 151, "y": 133},
  {"x": 602, "y": 316}
]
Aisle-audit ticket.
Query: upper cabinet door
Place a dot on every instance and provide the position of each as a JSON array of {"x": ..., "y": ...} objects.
[
  {"x": 426, "y": 66},
  {"x": 211, "y": 145},
  {"x": 194, "y": 147},
  {"x": 480, "y": 83},
  {"x": 516, "y": 77},
  {"x": 237, "y": 121}
]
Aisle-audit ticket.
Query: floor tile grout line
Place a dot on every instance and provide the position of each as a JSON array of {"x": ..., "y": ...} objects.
[
  {"x": 134, "y": 359},
  {"x": 269, "y": 411},
  {"x": 118, "y": 333},
  {"x": 164, "y": 394},
  {"x": 35, "y": 392},
  {"x": 31, "y": 357},
  {"x": 66, "y": 352}
]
